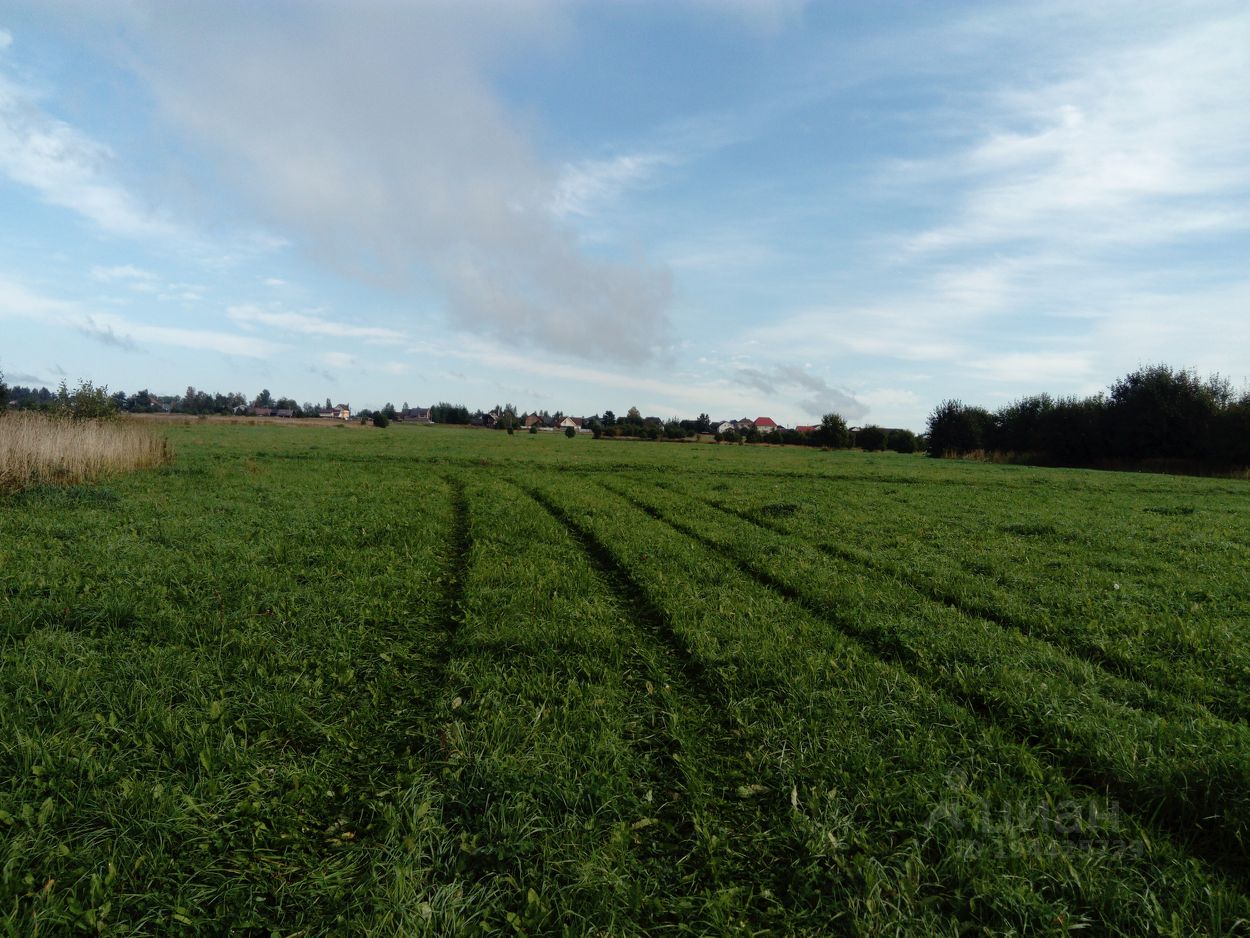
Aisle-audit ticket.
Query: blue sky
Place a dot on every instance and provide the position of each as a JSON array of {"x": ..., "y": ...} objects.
[{"x": 744, "y": 208}]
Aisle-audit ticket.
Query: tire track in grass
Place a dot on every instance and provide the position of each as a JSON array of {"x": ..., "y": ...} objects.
[
  {"x": 1219, "y": 846},
  {"x": 414, "y": 883},
  {"x": 893, "y": 763},
  {"x": 1167, "y": 696},
  {"x": 697, "y": 755},
  {"x": 673, "y": 839}
]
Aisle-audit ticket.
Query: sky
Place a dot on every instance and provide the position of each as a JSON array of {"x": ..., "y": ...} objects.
[{"x": 740, "y": 208}]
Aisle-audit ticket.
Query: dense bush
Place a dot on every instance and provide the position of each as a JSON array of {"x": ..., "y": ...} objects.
[
  {"x": 1155, "y": 412},
  {"x": 901, "y": 441},
  {"x": 871, "y": 438},
  {"x": 956, "y": 429},
  {"x": 85, "y": 402}
]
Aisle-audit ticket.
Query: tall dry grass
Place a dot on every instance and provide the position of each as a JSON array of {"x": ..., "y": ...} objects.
[{"x": 36, "y": 449}]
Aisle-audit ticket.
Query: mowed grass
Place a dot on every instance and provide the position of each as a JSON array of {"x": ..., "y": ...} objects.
[{"x": 312, "y": 681}]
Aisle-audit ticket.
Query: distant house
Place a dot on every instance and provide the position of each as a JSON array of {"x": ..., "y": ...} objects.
[
  {"x": 574, "y": 422},
  {"x": 264, "y": 411},
  {"x": 283, "y": 412},
  {"x": 419, "y": 414},
  {"x": 339, "y": 412},
  {"x": 766, "y": 425},
  {"x": 531, "y": 420},
  {"x": 727, "y": 426},
  {"x": 804, "y": 428}
]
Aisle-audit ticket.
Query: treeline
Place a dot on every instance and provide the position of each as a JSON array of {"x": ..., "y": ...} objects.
[
  {"x": 1154, "y": 413},
  {"x": 191, "y": 401}
]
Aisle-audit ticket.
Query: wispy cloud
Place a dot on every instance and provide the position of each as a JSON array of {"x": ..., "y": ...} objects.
[
  {"x": 67, "y": 167},
  {"x": 18, "y": 301},
  {"x": 1144, "y": 143},
  {"x": 249, "y": 315},
  {"x": 810, "y": 392},
  {"x": 104, "y": 333},
  {"x": 339, "y": 360},
  {"x": 124, "y": 273},
  {"x": 589, "y": 186}
]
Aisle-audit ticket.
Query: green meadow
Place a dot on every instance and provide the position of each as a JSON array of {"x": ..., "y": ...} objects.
[{"x": 314, "y": 680}]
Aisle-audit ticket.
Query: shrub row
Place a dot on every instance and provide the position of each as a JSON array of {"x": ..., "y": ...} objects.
[{"x": 1155, "y": 412}]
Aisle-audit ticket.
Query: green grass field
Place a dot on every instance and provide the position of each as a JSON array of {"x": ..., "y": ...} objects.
[{"x": 313, "y": 680}]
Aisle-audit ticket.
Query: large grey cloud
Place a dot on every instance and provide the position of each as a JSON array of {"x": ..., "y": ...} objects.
[{"x": 371, "y": 135}]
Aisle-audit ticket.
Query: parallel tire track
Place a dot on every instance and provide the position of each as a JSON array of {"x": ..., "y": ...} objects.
[
  {"x": 1218, "y": 846},
  {"x": 704, "y": 703},
  {"x": 1108, "y": 663}
]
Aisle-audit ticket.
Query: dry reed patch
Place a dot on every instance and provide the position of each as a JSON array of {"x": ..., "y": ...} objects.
[{"x": 39, "y": 450}]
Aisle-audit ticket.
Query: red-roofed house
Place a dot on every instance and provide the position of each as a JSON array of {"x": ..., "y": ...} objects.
[
  {"x": 766, "y": 424},
  {"x": 806, "y": 429}
]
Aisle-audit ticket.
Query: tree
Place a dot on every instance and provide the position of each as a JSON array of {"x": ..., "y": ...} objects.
[
  {"x": 833, "y": 432},
  {"x": 902, "y": 441},
  {"x": 609, "y": 418},
  {"x": 389, "y": 409},
  {"x": 443, "y": 412},
  {"x": 703, "y": 424},
  {"x": 871, "y": 438},
  {"x": 4, "y": 395},
  {"x": 141, "y": 402},
  {"x": 265, "y": 399},
  {"x": 570, "y": 432},
  {"x": 956, "y": 429},
  {"x": 633, "y": 415},
  {"x": 85, "y": 402},
  {"x": 1156, "y": 411},
  {"x": 381, "y": 421}
]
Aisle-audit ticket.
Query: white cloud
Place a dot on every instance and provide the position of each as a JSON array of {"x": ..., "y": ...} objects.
[
  {"x": 68, "y": 168},
  {"x": 124, "y": 273},
  {"x": 302, "y": 323},
  {"x": 1144, "y": 143},
  {"x": 18, "y": 301},
  {"x": 6, "y": 39},
  {"x": 591, "y": 185},
  {"x": 394, "y": 368},
  {"x": 1041, "y": 369}
]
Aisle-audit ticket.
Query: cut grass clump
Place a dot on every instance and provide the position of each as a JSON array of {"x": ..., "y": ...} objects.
[{"x": 36, "y": 449}]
